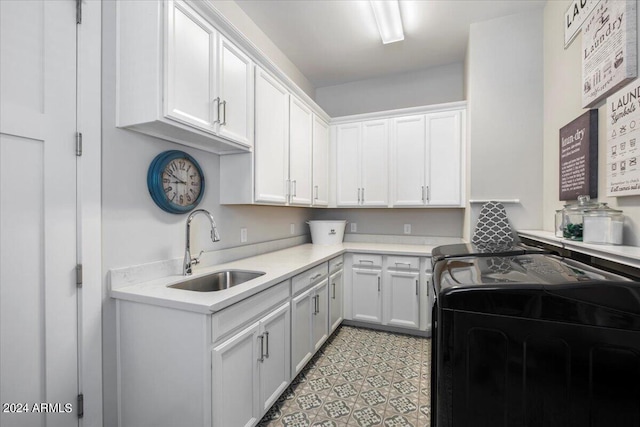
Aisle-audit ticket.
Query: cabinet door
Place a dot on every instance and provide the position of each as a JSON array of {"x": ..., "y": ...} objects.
[
  {"x": 189, "y": 77},
  {"x": 271, "y": 140},
  {"x": 444, "y": 158},
  {"x": 234, "y": 383},
  {"x": 320, "y": 162},
  {"x": 300, "y": 152},
  {"x": 301, "y": 332},
  {"x": 367, "y": 295},
  {"x": 320, "y": 314},
  {"x": 408, "y": 145},
  {"x": 336, "y": 290},
  {"x": 374, "y": 154},
  {"x": 402, "y": 299},
  {"x": 235, "y": 92},
  {"x": 275, "y": 367},
  {"x": 347, "y": 164}
]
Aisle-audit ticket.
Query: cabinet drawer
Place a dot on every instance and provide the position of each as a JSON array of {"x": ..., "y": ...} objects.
[
  {"x": 336, "y": 264},
  {"x": 367, "y": 260},
  {"x": 403, "y": 263},
  {"x": 247, "y": 310},
  {"x": 310, "y": 277}
]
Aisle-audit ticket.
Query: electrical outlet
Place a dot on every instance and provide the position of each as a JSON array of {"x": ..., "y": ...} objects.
[
  {"x": 407, "y": 229},
  {"x": 292, "y": 228},
  {"x": 354, "y": 227},
  {"x": 243, "y": 235}
]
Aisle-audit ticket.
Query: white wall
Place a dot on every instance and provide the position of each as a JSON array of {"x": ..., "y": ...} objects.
[
  {"x": 431, "y": 86},
  {"x": 562, "y": 104},
  {"x": 424, "y": 222},
  {"x": 505, "y": 103}
]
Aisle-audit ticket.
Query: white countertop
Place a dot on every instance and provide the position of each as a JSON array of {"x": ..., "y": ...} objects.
[
  {"x": 627, "y": 255},
  {"x": 278, "y": 266}
]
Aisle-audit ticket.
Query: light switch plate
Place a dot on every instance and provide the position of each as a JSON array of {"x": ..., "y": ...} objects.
[
  {"x": 354, "y": 227},
  {"x": 243, "y": 235},
  {"x": 407, "y": 229}
]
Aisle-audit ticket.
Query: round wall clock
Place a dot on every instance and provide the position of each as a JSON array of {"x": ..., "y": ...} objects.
[{"x": 175, "y": 181}]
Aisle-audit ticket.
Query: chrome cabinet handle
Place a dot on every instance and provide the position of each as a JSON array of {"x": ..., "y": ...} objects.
[
  {"x": 315, "y": 188},
  {"x": 423, "y": 195},
  {"x": 366, "y": 260},
  {"x": 261, "y": 337},
  {"x": 338, "y": 265},
  {"x": 363, "y": 195},
  {"x": 217, "y": 101},
  {"x": 408, "y": 264},
  {"x": 428, "y": 284},
  {"x": 416, "y": 287},
  {"x": 428, "y": 195},
  {"x": 266, "y": 336},
  {"x": 294, "y": 184},
  {"x": 314, "y": 277},
  {"x": 378, "y": 283},
  {"x": 333, "y": 296},
  {"x": 358, "y": 195},
  {"x": 224, "y": 116}
]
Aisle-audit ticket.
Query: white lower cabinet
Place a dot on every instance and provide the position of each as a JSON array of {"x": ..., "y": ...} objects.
[
  {"x": 336, "y": 300},
  {"x": 367, "y": 295},
  {"x": 310, "y": 324},
  {"x": 251, "y": 369},
  {"x": 402, "y": 299}
]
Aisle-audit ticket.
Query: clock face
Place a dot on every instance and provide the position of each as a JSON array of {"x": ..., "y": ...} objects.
[
  {"x": 181, "y": 182},
  {"x": 175, "y": 181}
]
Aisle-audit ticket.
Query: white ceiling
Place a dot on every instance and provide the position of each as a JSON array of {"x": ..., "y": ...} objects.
[{"x": 337, "y": 41}]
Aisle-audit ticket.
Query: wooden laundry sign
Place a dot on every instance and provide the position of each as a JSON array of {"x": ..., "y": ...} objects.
[
  {"x": 579, "y": 157},
  {"x": 575, "y": 15}
]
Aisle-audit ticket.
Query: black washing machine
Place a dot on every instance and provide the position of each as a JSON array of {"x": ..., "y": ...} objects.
[{"x": 527, "y": 338}]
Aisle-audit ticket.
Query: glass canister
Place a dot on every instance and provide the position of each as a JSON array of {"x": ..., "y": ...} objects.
[
  {"x": 572, "y": 217},
  {"x": 603, "y": 225}
]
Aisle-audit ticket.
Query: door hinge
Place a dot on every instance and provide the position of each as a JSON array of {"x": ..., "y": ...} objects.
[
  {"x": 78, "y": 144},
  {"x": 80, "y": 405},
  {"x": 78, "y": 11},
  {"x": 79, "y": 275}
]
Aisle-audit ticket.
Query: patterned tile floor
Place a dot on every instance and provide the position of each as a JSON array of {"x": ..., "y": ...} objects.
[{"x": 360, "y": 377}]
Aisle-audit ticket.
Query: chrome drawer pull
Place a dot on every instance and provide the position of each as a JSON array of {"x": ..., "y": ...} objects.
[
  {"x": 266, "y": 334},
  {"x": 261, "y": 359},
  {"x": 314, "y": 277}
]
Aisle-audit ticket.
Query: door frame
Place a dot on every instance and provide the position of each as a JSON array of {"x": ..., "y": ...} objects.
[{"x": 89, "y": 228}]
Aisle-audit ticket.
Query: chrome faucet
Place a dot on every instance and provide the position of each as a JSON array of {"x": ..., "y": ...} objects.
[{"x": 188, "y": 260}]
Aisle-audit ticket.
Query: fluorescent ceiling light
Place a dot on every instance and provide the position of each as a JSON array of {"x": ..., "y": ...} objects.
[{"x": 387, "y": 13}]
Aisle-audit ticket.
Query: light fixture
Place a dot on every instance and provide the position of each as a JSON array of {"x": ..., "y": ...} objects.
[{"x": 387, "y": 13}]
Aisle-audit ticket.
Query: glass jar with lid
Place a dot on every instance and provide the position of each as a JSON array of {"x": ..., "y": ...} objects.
[
  {"x": 572, "y": 217},
  {"x": 603, "y": 225}
]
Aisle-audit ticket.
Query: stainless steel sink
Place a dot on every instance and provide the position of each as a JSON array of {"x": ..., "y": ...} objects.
[{"x": 217, "y": 281}]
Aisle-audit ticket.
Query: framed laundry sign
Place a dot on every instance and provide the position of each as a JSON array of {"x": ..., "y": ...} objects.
[
  {"x": 623, "y": 142},
  {"x": 609, "y": 55},
  {"x": 579, "y": 157},
  {"x": 575, "y": 15}
]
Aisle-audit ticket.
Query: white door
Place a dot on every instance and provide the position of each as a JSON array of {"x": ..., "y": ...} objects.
[
  {"x": 402, "y": 299},
  {"x": 408, "y": 145},
  {"x": 190, "y": 50},
  {"x": 374, "y": 156},
  {"x": 348, "y": 164},
  {"x": 336, "y": 285},
  {"x": 320, "y": 162},
  {"x": 275, "y": 366},
  {"x": 444, "y": 157},
  {"x": 301, "y": 332},
  {"x": 235, "y": 89},
  {"x": 235, "y": 379},
  {"x": 38, "y": 294},
  {"x": 367, "y": 295},
  {"x": 321, "y": 314},
  {"x": 271, "y": 140},
  {"x": 300, "y": 152}
]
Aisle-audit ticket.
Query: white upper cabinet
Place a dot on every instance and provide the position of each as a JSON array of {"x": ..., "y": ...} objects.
[
  {"x": 179, "y": 79},
  {"x": 271, "y": 160},
  {"x": 235, "y": 93},
  {"x": 320, "y": 173},
  {"x": 300, "y": 152},
  {"x": 426, "y": 159},
  {"x": 361, "y": 167}
]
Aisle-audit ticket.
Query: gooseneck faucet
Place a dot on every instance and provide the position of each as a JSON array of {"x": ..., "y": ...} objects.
[{"x": 188, "y": 260}]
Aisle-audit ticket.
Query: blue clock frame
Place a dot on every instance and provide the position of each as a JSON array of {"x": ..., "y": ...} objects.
[{"x": 154, "y": 181}]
